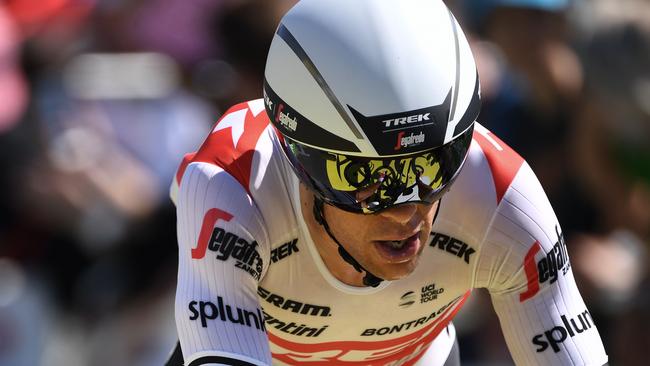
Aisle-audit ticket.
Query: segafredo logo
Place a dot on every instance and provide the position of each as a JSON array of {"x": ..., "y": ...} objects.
[
  {"x": 402, "y": 121},
  {"x": 409, "y": 126},
  {"x": 285, "y": 120},
  {"x": 410, "y": 140},
  {"x": 549, "y": 268},
  {"x": 227, "y": 245}
]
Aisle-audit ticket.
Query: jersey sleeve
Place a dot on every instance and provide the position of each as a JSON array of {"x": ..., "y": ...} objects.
[
  {"x": 524, "y": 263},
  {"x": 223, "y": 253}
]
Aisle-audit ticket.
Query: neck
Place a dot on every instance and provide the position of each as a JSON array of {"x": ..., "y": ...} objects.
[{"x": 326, "y": 247}]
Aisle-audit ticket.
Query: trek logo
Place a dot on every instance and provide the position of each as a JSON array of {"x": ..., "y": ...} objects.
[
  {"x": 407, "y": 325},
  {"x": 405, "y": 130},
  {"x": 292, "y": 305},
  {"x": 452, "y": 245},
  {"x": 285, "y": 120},
  {"x": 293, "y": 328},
  {"x": 548, "y": 268},
  {"x": 410, "y": 140},
  {"x": 284, "y": 250},
  {"x": 407, "y": 299},
  {"x": 430, "y": 293},
  {"x": 559, "y": 333},
  {"x": 401, "y": 121},
  {"x": 206, "y": 310},
  {"x": 227, "y": 244}
]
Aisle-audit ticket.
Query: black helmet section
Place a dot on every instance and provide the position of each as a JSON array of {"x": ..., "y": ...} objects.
[
  {"x": 406, "y": 132},
  {"x": 297, "y": 127},
  {"x": 368, "y": 185}
]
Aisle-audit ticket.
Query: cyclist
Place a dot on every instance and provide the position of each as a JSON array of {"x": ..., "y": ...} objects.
[{"x": 345, "y": 218}]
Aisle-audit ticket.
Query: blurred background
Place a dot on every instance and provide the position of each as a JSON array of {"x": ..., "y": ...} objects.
[{"x": 100, "y": 99}]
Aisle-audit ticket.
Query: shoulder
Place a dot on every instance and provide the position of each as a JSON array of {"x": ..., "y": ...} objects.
[
  {"x": 503, "y": 162},
  {"x": 490, "y": 170},
  {"x": 233, "y": 142},
  {"x": 240, "y": 171},
  {"x": 521, "y": 227},
  {"x": 499, "y": 206}
]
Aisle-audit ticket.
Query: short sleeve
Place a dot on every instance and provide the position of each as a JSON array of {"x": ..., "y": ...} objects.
[
  {"x": 524, "y": 263},
  {"x": 223, "y": 253}
]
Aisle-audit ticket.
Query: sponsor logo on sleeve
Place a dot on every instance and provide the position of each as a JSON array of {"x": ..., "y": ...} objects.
[
  {"x": 548, "y": 268},
  {"x": 205, "y": 311},
  {"x": 227, "y": 245},
  {"x": 284, "y": 250},
  {"x": 452, "y": 245},
  {"x": 293, "y": 328},
  {"x": 292, "y": 305},
  {"x": 555, "y": 336}
]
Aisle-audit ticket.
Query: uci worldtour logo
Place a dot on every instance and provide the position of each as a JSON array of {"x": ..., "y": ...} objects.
[
  {"x": 409, "y": 141},
  {"x": 430, "y": 293}
]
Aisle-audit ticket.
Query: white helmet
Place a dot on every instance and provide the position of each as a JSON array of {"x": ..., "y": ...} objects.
[{"x": 372, "y": 93}]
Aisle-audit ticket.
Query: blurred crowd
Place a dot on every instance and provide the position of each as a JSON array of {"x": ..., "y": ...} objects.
[{"x": 100, "y": 99}]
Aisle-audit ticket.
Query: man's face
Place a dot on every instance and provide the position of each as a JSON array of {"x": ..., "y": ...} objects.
[{"x": 389, "y": 243}]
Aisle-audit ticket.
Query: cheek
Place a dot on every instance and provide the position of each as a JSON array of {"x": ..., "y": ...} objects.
[{"x": 350, "y": 227}]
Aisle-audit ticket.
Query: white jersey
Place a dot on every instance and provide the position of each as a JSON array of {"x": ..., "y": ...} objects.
[{"x": 253, "y": 290}]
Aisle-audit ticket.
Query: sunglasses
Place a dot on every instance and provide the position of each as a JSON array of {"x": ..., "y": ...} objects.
[{"x": 369, "y": 185}]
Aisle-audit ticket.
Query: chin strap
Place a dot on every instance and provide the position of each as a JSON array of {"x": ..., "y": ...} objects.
[{"x": 369, "y": 279}]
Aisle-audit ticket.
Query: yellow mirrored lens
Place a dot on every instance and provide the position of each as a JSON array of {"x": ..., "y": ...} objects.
[{"x": 348, "y": 175}]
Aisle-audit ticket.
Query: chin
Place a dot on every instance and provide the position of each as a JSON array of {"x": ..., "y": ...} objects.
[{"x": 397, "y": 271}]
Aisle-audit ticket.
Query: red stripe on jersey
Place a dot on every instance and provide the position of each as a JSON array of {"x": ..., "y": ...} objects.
[
  {"x": 219, "y": 148},
  {"x": 504, "y": 162},
  {"x": 530, "y": 267},
  {"x": 372, "y": 352}
]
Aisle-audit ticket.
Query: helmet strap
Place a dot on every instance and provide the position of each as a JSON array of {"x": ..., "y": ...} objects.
[{"x": 369, "y": 279}]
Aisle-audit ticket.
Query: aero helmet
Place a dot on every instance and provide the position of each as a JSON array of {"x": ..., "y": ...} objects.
[{"x": 374, "y": 100}]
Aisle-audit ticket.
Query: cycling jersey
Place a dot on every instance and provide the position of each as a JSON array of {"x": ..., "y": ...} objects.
[{"x": 252, "y": 288}]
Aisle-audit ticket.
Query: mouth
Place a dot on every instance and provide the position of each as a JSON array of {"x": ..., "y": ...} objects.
[{"x": 399, "y": 251}]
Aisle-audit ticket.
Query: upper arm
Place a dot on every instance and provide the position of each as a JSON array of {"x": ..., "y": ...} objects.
[
  {"x": 223, "y": 253},
  {"x": 525, "y": 266}
]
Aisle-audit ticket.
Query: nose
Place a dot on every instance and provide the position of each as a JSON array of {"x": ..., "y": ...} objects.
[{"x": 401, "y": 213}]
